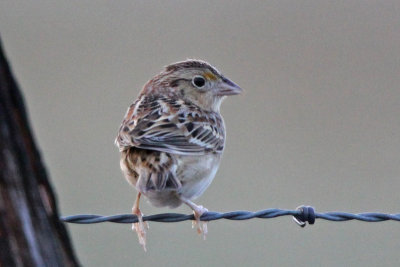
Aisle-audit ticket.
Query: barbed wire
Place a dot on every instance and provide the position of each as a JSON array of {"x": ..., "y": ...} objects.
[{"x": 301, "y": 216}]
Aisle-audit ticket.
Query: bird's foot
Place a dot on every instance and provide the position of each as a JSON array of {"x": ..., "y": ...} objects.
[
  {"x": 198, "y": 210},
  {"x": 201, "y": 225},
  {"x": 140, "y": 227}
]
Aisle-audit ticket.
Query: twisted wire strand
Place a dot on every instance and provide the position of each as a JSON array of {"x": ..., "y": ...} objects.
[{"x": 301, "y": 215}]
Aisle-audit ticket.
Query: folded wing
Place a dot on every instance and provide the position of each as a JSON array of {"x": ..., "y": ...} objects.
[{"x": 171, "y": 125}]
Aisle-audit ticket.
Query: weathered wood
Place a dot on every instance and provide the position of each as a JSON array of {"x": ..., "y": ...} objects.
[{"x": 30, "y": 231}]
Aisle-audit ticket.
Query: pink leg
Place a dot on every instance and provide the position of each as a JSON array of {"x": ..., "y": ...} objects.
[
  {"x": 139, "y": 227},
  {"x": 198, "y": 210}
]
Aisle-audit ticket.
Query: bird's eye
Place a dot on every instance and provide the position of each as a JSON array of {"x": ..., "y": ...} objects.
[{"x": 198, "y": 81}]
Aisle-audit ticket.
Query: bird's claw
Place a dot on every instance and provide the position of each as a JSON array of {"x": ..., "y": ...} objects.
[
  {"x": 140, "y": 228},
  {"x": 201, "y": 225}
]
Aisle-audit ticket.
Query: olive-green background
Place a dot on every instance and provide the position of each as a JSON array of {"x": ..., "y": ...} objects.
[{"x": 318, "y": 124}]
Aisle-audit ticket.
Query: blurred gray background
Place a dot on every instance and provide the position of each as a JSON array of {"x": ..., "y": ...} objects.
[{"x": 318, "y": 124}]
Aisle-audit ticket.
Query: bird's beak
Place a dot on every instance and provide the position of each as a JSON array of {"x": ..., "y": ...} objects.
[{"x": 227, "y": 87}]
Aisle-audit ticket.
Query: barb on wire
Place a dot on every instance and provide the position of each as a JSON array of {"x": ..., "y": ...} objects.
[{"x": 301, "y": 216}]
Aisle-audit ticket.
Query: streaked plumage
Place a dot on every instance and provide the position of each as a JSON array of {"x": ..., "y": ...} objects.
[{"x": 172, "y": 137}]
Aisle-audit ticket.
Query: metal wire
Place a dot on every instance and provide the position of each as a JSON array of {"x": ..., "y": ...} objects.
[{"x": 301, "y": 215}]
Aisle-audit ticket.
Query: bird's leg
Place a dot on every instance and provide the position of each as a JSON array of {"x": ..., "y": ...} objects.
[
  {"x": 198, "y": 210},
  {"x": 140, "y": 226}
]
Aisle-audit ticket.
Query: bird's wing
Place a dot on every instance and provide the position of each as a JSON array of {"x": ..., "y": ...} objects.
[{"x": 171, "y": 125}]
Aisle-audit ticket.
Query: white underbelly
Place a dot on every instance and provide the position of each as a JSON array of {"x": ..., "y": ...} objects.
[{"x": 196, "y": 173}]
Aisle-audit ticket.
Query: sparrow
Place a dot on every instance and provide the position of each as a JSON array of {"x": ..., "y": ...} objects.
[{"x": 172, "y": 138}]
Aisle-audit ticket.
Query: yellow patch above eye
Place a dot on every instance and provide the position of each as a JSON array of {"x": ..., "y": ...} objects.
[{"x": 210, "y": 76}]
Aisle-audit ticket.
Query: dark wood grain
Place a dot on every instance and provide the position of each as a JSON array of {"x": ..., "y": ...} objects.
[{"x": 30, "y": 231}]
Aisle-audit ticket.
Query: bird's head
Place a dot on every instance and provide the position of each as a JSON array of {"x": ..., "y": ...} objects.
[{"x": 196, "y": 81}]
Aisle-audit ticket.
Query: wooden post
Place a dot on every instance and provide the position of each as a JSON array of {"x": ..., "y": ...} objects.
[{"x": 30, "y": 231}]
